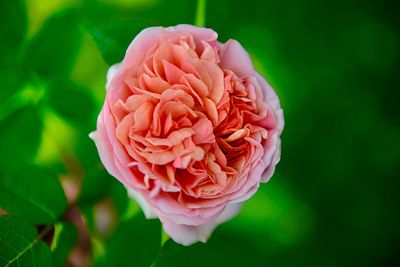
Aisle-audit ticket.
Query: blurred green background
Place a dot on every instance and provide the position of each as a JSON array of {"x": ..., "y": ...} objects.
[{"x": 333, "y": 200}]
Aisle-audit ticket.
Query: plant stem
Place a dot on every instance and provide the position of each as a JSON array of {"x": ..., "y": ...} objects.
[
  {"x": 200, "y": 19},
  {"x": 44, "y": 232}
]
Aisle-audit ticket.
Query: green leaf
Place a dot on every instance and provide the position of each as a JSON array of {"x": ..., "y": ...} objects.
[
  {"x": 119, "y": 195},
  {"x": 98, "y": 184},
  {"x": 113, "y": 27},
  {"x": 65, "y": 236},
  {"x": 113, "y": 38},
  {"x": 20, "y": 245},
  {"x": 152, "y": 12},
  {"x": 33, "y": 194},
  {"x": 220, "y": 250},
  {"x": 12, "y": 30},
  {"x": 70, "y": 100},
  {"x": 13, "y": 24},
  {"x": 19, "y": 137},
  {"x": 9, "y": 77},
  {"x": 52, "y": 51},
  {"x": 135, "y": 242},
  {"x": 86, "y": 149},
  {"x": 95, "y": 185}
]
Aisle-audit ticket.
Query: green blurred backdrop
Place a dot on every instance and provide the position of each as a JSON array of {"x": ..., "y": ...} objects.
[{"x": 333, "y": 200}]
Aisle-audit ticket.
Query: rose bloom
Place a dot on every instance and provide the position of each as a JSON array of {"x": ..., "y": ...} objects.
[{"x": 189, "y": 127}]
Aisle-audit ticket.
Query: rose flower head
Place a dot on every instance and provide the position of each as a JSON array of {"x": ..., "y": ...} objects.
[{"x": 189, "y": 127}]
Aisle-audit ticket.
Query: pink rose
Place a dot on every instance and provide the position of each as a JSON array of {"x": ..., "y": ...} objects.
[{"x": 189, "y": 127}]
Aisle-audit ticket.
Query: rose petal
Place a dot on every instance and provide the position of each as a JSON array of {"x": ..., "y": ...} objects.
[
  {"x": 187, "y": 234},
  {"x": 235, "y": 58}
]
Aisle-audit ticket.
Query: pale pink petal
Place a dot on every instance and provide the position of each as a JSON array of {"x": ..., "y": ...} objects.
[
  {"x": 140, "y": 44},
  {"x": 271, "y": 98},
  {"x": 235, "y": 58},
  {"x": 188, "y": 235},
  {"x": 198, "y": 33},
  {"x": 112, "y": 71},
  {"x": 274, "y": 161},
  {"x": 147, "y": 209}
]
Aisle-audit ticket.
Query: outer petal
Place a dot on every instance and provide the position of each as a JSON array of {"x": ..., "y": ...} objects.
[
  {"x": 104, "y": 147},
  {"x": 234, "y": 57},
  {"x": 269, "y": 171},
  {"x": 139, "y": 46},
  {"x": 271, "y": 98},
  {"x": 112, "y": 71},
  {"x": 198, "y": 33},
  {"x": 187, "y": 235},
  {"x": 111, "y": 153},
  {"x": 134, "y": 56},
  {"x": 148, "y": 211}
]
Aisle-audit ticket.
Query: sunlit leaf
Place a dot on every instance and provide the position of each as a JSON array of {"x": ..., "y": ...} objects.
[
  {"x": 33, "y": 194},
  {"x": 65, "y": 236},
  {"x": 20, "y": 245}
]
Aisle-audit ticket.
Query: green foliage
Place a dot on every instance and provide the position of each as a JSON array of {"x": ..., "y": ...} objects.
[
  {"x": 65, "y": 237},
  {"x": 22, "y": 129},
  {"x": 152, "y": 11},
  {"x": 106, "y": 186},
  {"x": 119, "y": 195},
  {"x": 33, "y": 194},
  {"x": 142, "y": 239},
  {"x": 98, "y": 178},
  {"x": 220, "y": 250},
  {"x": 9, "y": 75},
  {"x": 112, "y": 38},
  {"x": 12, "y": 29},
  {"x": 52, "y": 51},
  {"x": 62, "y": 96},
  {"x": 13, "y": 24},
  {"x": 20, "y": 137},
  {"x": 20, "y": 245}
]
